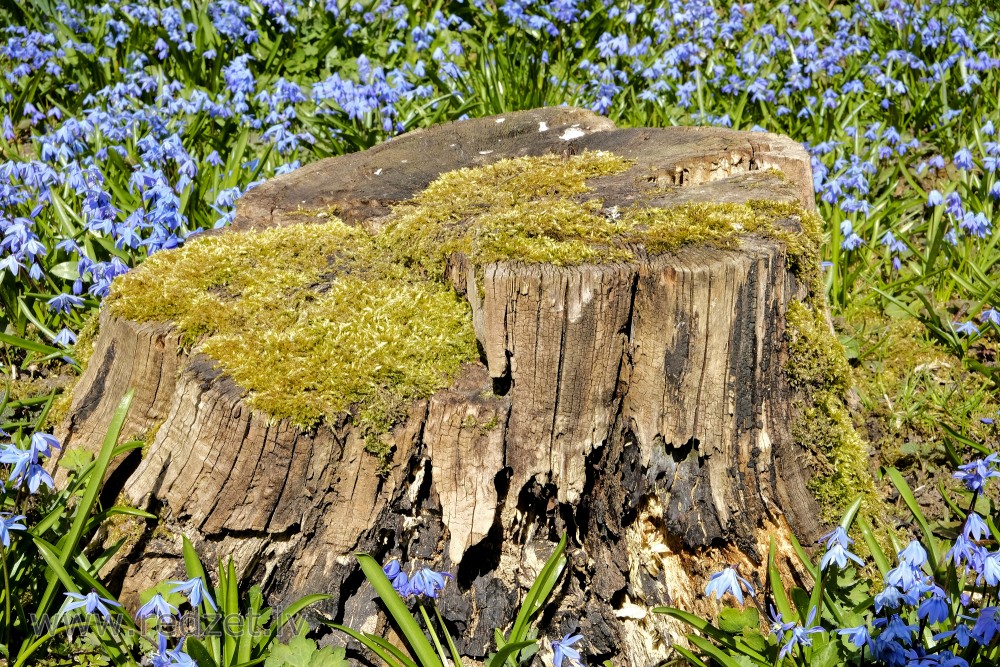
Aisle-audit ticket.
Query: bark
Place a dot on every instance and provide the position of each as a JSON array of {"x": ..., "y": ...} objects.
[{"x": 640, "y": 407}]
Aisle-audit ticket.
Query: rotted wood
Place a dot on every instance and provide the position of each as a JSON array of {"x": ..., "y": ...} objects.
[{"x": 640, "y": 407}]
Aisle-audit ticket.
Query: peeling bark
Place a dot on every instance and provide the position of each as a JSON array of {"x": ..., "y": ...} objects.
[{"x": 640, "y": 407}]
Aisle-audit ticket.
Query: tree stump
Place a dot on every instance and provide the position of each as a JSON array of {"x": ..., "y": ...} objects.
[{"x": 639, "y": 405}]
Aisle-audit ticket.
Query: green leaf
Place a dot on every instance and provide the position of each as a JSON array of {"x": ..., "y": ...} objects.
[
  {"x": 69, "y": 545},
  {"x": 690, "y": 657},
  {"x": 297, "y": 606},
  {"x": 507, "y": 651},
  {"x": 777, "y": 586},
  {"x": 302, "y": 652},
  {"x": 390, "y": 658},
  {"x": 711, "y": 649},
  {"x": 733, "y": 620},
  {"x": 30, "y": 345},
  {"x": 76, "y": 460},
  {"x": 930, "y": 542},
  {"x": 199, "y": 652},
  {"x": 539, "y": 592},
  {"x": 881, "y": 561},
  {"x": 825, "y": 657}
]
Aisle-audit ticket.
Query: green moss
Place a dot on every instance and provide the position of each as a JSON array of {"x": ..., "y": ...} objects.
[
  {"x": 318, "y": 319},
  {"x": 818, "y": 365},
  {"x": 84, "y": 347},
  {"x": 817, "y": 359},
  {"x": 309, "y": 318},
  {"x": 60, "y": 406}
]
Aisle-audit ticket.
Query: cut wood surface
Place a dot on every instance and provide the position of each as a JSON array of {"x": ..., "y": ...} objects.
[{"x": 640, "y": 406}]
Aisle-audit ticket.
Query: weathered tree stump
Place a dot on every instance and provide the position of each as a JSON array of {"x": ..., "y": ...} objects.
[{"x": 640, "y": 405}]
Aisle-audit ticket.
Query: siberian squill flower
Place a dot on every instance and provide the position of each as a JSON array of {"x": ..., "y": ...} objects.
[
  {"x": 728, "y": 581},
  {"x": 400, "y": 581},
  {"x": 562, "y": 649},
  {"x": 975, "y": 473},
  {"x": 966, "y": 328},
  {"x": 837, "y": 543},
  {"x": 859, "y": 636},
  {"x": 195, "y": 590},
  {"x": 799, "y": 635},
  {"x": 9, "y": 522},
  {"x": 158, "y": 607},
  {"x": 427, "y": 582},
  {"x": 91, "y": 602}
]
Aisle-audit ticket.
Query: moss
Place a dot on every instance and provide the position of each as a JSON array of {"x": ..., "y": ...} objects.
[
  {"x": 60, "y": 406},
  {"x": 84, "y": 347},
  {"x": 310, "y": 319},
  {"x": 818, "y": 360},
  {"x": 818, "y": 365},
  {"x": 315, "y": 320}
]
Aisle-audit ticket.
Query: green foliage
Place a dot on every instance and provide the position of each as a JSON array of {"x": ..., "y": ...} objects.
[
  {"x": 56, "y": 555},
  {"x": 515, "y": 649},
  {"x": 303, "y": 652}
]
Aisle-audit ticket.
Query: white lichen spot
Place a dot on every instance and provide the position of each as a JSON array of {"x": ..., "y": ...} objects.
[
  {"x": 572, "y": 133},
  {"x": 485, "y": 152},
  {"x": 500, "y": 120},
  {"x": 543, "y": 127},
  {"x": 378, "y": 172}
]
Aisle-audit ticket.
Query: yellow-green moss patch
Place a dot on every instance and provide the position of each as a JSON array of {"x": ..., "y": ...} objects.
[
  {"x": 818, "y": 365},
  {"x": 308, "y": 318},
  {"x": 535, "y": 210}
]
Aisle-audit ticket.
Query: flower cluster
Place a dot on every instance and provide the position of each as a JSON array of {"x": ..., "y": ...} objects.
[
  {"x": 937, "y": 605},
  {"x": 424, "y": 582}
]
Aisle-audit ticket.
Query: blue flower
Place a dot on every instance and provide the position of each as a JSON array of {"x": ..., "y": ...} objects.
[
  {"x": 934, "y": 198},
  {"x": 896, "y": 629},
  {"x": 400, "y": 581},
  {"x": 976, "y": 473},
  {"x": 913, "y": 555},
  {"x": 991, "y": 315},
  {"x": 891, "y": 597},
  {"x": 839, "y": 554},
  {"x": 963, "y": 159},
  {"x": 799, "y": 635},
  {"x": 562, "y": 650},
  {"x": 43, "y": 444},
  {"x": 778, "y": 625},
  {"x": 91, "y": 602},
  {"x": 990, "y": 568},
  {"x": 64, "y": 303},
  {"x": 65, "y": 338},
  {"x": 9, "y": 522},
  {"x": 987, "y": 626},
  {"x": 859, "y": 636},
  {"x": 966, "y": 328},
  {"x": 195, "y": 590},
  {"x": 962, "y": 633},
  {"x": 157, "y": 607},
  {"x": 975, "y": 528},
  {"x": 728, "y": 581},
  {"x": 934, "y": 609},
  {"x": 837, "y": 536},
  {"x": 427, "y": 582}
]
